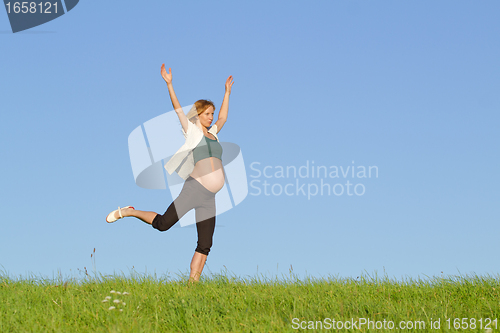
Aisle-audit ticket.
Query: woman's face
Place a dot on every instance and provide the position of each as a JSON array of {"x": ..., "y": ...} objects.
[{"x": 207, "y": 116}]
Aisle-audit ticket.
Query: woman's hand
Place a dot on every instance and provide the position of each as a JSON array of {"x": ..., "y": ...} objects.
[
  {"x": 175, "y": 103},
  {"x": 167, "y": 76},
  {"x": 229, "y": 84}
]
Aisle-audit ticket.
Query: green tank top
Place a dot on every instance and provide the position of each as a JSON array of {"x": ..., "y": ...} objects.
[{"x": 207, "y": 148}]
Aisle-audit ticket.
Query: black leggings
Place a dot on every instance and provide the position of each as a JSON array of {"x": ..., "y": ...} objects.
[{"x": 193, "y": 195}]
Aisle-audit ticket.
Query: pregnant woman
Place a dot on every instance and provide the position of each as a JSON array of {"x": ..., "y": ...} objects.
[{"x": 202, "y": 171}]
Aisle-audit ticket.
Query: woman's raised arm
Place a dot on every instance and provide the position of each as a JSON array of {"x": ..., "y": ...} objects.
[
  {"x": 225, "y": 104},
  {"x": 175, "y": 103}
]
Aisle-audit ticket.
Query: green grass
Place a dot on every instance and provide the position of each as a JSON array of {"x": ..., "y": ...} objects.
[{"x": 222, "y": 303}]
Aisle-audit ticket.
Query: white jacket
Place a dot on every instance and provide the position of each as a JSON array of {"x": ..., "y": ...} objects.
[{"x": 193, "y": 137}]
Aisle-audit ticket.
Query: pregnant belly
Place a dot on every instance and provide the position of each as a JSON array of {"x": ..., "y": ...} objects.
[{"x": 209, "y": 173}]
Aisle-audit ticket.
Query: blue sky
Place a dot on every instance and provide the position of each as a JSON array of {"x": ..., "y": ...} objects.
[{"x": 409, "y": 87}]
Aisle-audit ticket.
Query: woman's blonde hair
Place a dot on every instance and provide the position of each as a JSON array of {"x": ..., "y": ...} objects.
[{"x": 199, "y": 107}]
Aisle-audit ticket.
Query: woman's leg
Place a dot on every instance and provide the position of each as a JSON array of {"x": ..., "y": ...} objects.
[
  {"x": 205, "y": 226},
  {"x": 188, "y": 199},
  {"x": 197, "y": 265},
  {"x": 145, "y": 216},
  {"x": 177, "y": 209}
]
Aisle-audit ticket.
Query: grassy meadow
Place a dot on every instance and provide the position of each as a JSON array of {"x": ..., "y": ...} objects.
[{"x": 224, "y": 303}]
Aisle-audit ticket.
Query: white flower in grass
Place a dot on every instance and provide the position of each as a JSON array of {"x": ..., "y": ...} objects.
[
  {"x": 119, "y": 293},
  {"x": 111, "y": 308},
  {"x": 121, "y": 310},
  {"x": 104, "y": 300},
  {"x": 124, "y": 303},
  {"x": 112, "y": 291},
  {"x": 108, "y": 297},
  {"x": 116, "y": 301},
  {"x": 125, "y": 293}
]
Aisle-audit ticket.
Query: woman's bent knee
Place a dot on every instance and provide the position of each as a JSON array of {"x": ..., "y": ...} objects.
[{"x": 165, "y": 221}]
